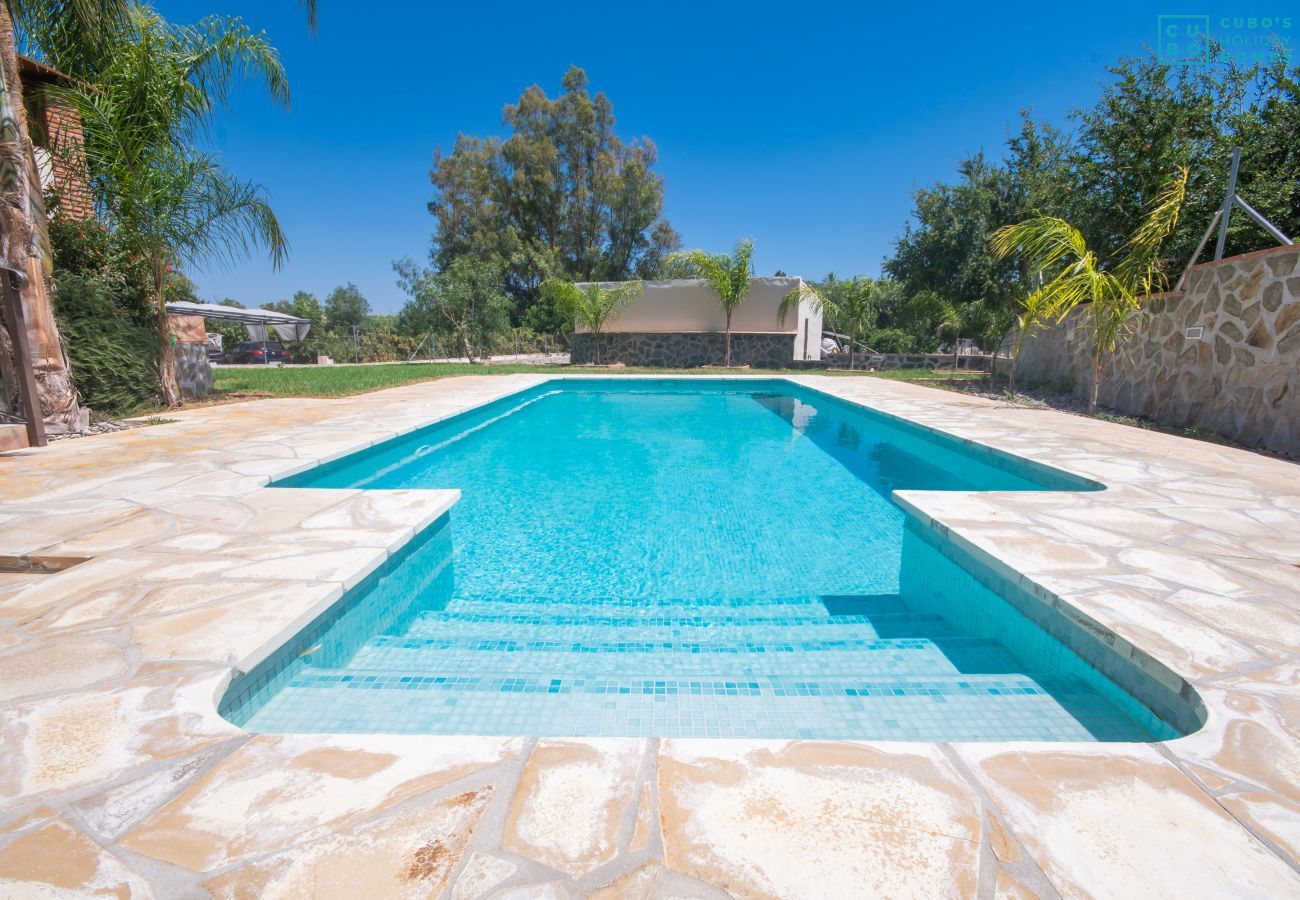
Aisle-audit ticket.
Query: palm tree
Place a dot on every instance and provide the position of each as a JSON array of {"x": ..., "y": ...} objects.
[
  {"x": 1031, "y": 316},
  {"x": 728, "y": 275},
  {"x": 1114, "y": 289},
  {"x": 953, "y": 320},
  {"x": 77, "y": 36},
  {"x": 156, "y": 95},
  {"x": 593, "y": 306},
  {"x": 849, "y": 305},
  {"x": 24, "y": 245}
]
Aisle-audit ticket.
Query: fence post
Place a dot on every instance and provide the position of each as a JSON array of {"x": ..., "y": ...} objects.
[
  {"x": 1227, "y": 203},
  {"x": 17, "y": 327}
]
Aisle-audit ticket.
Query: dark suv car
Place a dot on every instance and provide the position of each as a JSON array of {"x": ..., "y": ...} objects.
[{"x": 258, "y": 352}]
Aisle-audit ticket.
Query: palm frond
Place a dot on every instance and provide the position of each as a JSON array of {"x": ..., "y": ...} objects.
[
  {"x": 1141, "y": 266},
  {"x": 1044, "y": 242}
]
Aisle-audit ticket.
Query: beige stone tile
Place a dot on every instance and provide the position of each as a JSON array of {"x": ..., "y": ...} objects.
[
  {"x": 97, "y": 735},
  {"x": 278, "y": 791},
  {"x": 634, "y": 885},
  {"x": 240, "y": 632},
  {"x": 60, "y": 666},
  {"x": 571, "y": 801},
  {"x": 52, "y": 591},
  {"x": 407, "y": 855},
  {"x": 1009, "y": 887},
  {"x": 481, "y": 874},
  {"x": 1121, "y": 821},
  {"x": 131, "y": 528},
  {"x": 59, "y": 861},
  {"x": 812, "y": 819},
  {"x": 113, "y": 812},
  {"x": 347, "y": 566},
  {"x": 549, "y": 890}
]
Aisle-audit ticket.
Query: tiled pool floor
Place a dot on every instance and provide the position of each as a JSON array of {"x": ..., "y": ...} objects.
[{"x": 117, "y": 775}]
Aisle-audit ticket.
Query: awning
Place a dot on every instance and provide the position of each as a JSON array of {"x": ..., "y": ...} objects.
[{"x": 289, "y": 328}]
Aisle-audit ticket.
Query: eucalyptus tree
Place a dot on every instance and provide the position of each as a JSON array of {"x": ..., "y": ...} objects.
[
  {"x": 850, "y": 306},
  {"x": 1113, "y": 288},
  {"x": 592, "y": 305},
  {"x": 142, "y": 118},
  {"x": 560, "y": 195},
  {"x": 729, "y": 275}
]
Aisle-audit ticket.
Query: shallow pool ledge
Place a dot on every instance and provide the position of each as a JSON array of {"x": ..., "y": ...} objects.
[
  {"x": 1134, "y": 670},
  {"x": 430, "y": 505}
]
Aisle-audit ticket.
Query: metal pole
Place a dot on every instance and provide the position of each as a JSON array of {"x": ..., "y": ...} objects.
[
  {"x": 27, "y": 391},
  {"x": 1218, "y": 214},
  {"x": 1227, "y": 203},
  {"x": 1264, "y": 223}
]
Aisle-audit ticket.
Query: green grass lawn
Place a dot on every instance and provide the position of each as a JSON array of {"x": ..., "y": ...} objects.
[{"x": 342, "y": 381}]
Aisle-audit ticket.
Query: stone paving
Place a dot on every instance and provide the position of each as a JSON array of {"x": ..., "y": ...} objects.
[{"x": 118, "y": 777}]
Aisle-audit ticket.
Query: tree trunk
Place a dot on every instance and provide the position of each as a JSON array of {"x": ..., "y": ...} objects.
[
  {"x": 168, "y": 384},
  {"x": 956, "y": 348},
  {"x": 853, "y": 345},
  {"x": 21, "y": 225},
  {"x": 726, "y": 353},
  {"x": 595, "y": 348},
  {"x": 1096, "y": 381},
  {"x": 464, "y": 342},
  {"x": 1011, "y": 379}
]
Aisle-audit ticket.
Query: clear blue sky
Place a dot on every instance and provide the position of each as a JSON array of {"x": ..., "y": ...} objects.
[{"x": 803, "y": 125}]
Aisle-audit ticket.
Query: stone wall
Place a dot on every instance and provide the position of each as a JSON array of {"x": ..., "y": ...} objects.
[
  {"x": 193, "y": 370},
  {"x": 969, "y": 362},
  {"x": 1223, "y": 355},
  {"x": 685, "y": 350}
]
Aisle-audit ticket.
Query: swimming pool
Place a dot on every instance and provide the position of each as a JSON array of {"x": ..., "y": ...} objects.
[{"x": 685, "y": 558}]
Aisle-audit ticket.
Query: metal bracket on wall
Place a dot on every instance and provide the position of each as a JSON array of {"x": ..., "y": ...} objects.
[{"x": 11, "y": 305}]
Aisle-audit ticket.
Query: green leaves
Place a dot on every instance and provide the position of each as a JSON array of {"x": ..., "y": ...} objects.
[
  {"x": 464, "y": 300},
  {"x": 727, "y": 274},
  {"x": 591, "y": 305},
  {"x": 561, "y": 196},
  {"x": 141, "y": 117}
]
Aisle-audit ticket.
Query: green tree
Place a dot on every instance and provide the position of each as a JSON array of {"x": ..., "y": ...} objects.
[
  {"x": 562, "y": 195},
  {"x": 346, "y": 308},
  {"x": 1113, "y": 288},
  {"x": 156, "y": 94},
  {"x": 465, "y": 300},
  {"x": 591, "y": 305},
  {"x": 729, "y": 275}
]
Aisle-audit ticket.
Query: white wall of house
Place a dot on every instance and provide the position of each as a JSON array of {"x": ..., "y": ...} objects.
[{"x": 685, "y": 305}]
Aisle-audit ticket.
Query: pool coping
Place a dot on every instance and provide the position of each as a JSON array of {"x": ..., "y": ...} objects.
[{"x": 150, "y": 682}]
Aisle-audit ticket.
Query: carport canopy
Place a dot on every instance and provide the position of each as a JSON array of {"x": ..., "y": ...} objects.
[{"x": 289, "y": 328}]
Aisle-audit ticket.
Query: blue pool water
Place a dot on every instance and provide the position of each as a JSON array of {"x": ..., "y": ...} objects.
[{"x": 669, "y": 558}]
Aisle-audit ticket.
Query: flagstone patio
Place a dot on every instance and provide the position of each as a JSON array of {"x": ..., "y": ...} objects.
[{"x": 117, "y": 776}]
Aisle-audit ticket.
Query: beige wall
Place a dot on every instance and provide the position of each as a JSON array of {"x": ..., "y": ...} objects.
[{"x": 690, "y": 305}]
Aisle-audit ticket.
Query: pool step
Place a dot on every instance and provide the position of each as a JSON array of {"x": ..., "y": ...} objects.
[
  {"x": 929, "y": 707},
  {"x": 880, "y": 604},
  {"x": 805, "y": 656},
  {"x": 526, "y": 626}
]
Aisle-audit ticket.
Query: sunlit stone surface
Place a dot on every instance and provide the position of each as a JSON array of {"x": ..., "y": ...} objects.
[{"x": 118, "y": 777}]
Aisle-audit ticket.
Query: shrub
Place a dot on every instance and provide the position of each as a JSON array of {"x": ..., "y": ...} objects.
[
  {"x": 891, "y": 340},
  {"x": 111, "y": 355}
]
